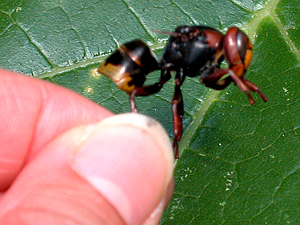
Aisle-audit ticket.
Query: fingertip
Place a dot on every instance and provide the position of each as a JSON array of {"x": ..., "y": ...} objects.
[
  {"x": 118, "y": 170},
  {"x": 156, "y": 214},
  {"x": 34, "y": 112},
  {"x": 128, "y": 158}
]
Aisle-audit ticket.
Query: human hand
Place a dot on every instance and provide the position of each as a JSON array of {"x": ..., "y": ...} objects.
[{"x": 66, "y": 160}]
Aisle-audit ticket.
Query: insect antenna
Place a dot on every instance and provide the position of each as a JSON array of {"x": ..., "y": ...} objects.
[{"x": 172, "y": 34}]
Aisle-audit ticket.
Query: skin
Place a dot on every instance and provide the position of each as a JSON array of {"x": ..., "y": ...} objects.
[{"x": 66, "y": 160}]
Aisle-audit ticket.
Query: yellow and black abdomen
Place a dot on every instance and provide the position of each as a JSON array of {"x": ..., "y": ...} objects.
[{"x": 129, "y": 65}]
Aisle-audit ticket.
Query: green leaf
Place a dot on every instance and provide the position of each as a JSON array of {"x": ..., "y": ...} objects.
[{"x": 239, "y": 163}]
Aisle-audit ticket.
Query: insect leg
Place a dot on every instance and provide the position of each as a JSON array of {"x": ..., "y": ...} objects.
[
  {"x": 241, "y": 85},
  {"x": 213, "y": 78},
  {"x": 143, "y": 91},
  {"x": 149, "y": 89},
  {"x": 254, "y": 88},
  {"x": 178, "y": 112}
]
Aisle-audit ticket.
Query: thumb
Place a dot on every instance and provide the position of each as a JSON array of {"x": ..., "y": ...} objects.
[{"x": 114, "y": 172}]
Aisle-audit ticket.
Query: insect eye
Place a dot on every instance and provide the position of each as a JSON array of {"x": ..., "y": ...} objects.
[{"x": 242, "y": 44}]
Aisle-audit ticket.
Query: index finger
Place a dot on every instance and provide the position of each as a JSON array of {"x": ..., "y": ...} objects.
[{"x": 34, "y": 112}]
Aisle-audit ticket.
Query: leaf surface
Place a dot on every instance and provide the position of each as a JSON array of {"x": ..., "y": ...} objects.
[{"x": 239, "y": 163}]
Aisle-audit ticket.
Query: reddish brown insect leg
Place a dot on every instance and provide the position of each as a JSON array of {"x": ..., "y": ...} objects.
[
  {"x": 254, "y": 88},
  {"x": 241, "y": 85},
  {"x": 178, "y": 111},
  {"x": 143, "y": 91},
  {"x": 214, "y": 80},
  {"x": 132, "y": 103},
  {"x": 150, "y": 89}
]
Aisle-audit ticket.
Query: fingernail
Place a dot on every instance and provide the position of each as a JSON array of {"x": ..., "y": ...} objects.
[{"x": 128, "y": 158}]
